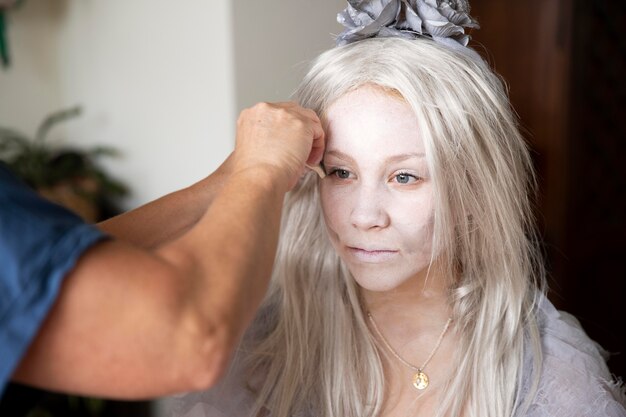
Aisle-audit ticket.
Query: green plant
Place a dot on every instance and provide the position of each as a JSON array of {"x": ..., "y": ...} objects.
[
  {"x": 4, "y": 44},
  {"x": 45, "y": 166}
]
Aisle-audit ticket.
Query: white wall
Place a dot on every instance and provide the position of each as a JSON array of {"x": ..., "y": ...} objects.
[
  {"x": 162, "y": 81},
  {"x": 157, "y": 82},
  {"x": 155, "y": 79},
  {"x": 275, "y": 40},
  {"x": 29, "y": 88}
]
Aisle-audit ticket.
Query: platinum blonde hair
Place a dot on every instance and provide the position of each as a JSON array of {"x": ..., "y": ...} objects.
[{"x": 312, "y": 340}]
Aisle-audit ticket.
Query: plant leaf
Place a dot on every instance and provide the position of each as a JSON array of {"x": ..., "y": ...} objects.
[{"x": 53, "y": 119}]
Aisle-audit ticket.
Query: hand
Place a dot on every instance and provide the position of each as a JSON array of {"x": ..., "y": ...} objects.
[{"x": 280, "y": 137}]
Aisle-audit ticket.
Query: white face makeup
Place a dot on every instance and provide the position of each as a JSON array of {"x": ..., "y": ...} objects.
[{"x": 377, "y": 198}]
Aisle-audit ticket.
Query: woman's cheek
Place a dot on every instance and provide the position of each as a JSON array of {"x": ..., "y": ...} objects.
[
  {"x": 331, "y": 204},
  {"x": 335, "y": 204}
]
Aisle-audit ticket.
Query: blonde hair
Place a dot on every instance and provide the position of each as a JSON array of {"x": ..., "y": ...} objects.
[{"x": 312, "y": 340}]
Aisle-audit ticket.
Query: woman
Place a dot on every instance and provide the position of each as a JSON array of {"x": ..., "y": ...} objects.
[{"x": 408, "y": 280}]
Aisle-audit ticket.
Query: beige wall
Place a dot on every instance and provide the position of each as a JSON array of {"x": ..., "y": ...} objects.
[
  {"x": 30, "y": 88},
  {"x": 275, "y": 40},
  {"x": 162, "y": 81}
]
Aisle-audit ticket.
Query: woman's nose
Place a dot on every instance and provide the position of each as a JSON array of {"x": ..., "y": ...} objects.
[{"x": 369, "y": 210}]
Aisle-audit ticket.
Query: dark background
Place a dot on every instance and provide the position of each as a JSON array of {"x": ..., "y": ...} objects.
[{"x": 565, "y": 64}]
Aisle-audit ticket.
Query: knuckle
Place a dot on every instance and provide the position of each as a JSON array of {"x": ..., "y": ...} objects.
[
  {"x": 299, "y": 124},
  {"x": 282, "y": 114},
  {"x": 262, "y": 106}
]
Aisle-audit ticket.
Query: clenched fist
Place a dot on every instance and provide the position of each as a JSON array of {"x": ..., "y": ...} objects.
[{"x": 280, "y": 138}]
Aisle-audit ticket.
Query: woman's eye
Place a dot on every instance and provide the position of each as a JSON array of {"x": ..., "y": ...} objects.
[
  {"x": 405, "y": 178},
  {"x": 341, "y": 173}
]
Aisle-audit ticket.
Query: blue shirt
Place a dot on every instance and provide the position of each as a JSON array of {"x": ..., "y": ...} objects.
[{"x": 40, "y": 243}]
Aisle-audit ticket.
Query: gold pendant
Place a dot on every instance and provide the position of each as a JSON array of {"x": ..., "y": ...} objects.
[{"x": 420, "y": 380}]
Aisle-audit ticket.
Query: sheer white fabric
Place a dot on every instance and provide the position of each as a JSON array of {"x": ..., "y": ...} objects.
[{"x": 575, "y": 381}]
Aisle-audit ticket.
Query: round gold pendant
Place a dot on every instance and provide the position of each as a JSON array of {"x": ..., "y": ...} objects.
[{"x": 420, "y": 380}]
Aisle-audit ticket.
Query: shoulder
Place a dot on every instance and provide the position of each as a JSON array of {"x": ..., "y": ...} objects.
[
  {"x": 575, "y": 380},
  {"x": 36, "y": 232},
  {"x": 39, "y": 243}
]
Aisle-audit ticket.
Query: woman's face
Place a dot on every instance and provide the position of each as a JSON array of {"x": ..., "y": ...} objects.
[{"x": 377, "y": 198}]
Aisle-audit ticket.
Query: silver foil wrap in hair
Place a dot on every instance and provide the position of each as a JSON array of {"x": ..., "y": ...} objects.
[{"x": 442, "y": 20}]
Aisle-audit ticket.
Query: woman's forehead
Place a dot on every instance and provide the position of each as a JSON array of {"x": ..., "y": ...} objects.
[{"x": 370, "y": 119}]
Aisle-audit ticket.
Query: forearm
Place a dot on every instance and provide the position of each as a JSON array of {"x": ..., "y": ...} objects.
[
  {"x": 166, "y": 218},
  {"x": 159, "y": 221},
  {"x": 232, "y": 249},
  {"x": 133, "y": 323}
]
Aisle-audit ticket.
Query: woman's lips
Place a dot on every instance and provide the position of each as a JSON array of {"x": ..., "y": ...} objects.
[{"x": 372, "y": 256}]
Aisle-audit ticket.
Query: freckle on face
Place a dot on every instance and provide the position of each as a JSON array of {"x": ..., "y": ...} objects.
[{"x": 382, "y": 230}]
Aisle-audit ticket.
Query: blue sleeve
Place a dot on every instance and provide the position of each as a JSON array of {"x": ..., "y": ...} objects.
[{"x": 40, "y": 243}]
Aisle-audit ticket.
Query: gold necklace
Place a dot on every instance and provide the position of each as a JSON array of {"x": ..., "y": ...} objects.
[{"x": 420, "y": 379}]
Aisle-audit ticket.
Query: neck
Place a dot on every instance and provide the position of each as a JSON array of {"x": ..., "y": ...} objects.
[
  {"x": 410, "y": 322},
  {"x": 422, "y": 298}
]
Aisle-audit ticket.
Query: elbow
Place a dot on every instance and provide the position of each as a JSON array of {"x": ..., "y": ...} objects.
[
  {"x": 215, "y": 363},
  {"x": 208, "y": 357},
  {"x": 207, "y": 329}
]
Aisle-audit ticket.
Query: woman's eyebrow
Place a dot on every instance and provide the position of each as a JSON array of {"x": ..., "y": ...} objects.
[
  {"x": 404, "y": 156},
  {"x": 395, "y": 158},
  {"x": 338, "y": 154}
]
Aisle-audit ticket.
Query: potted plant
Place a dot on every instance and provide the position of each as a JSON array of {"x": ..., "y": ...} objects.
[{"x": 69, "y": 176}]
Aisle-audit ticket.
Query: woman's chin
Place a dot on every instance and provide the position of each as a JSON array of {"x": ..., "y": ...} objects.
[{"x": 378, "y": 282}]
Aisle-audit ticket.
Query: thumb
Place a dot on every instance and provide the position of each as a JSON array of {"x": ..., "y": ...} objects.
[{"x": 317, "y": 148}]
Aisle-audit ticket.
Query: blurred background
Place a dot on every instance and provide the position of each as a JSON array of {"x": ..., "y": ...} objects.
[
  {"x": 564, "y": 62},
  {"x": 141, "y": 98}
]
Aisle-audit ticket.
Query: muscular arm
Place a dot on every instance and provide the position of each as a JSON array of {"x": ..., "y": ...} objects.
[
  {"x": 168, "y": 217},
  {"x": 137, "y": 323}
]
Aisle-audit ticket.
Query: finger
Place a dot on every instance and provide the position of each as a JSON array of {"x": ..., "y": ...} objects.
[
  {"x": 310, "y": 115},
  {"x": 318, "y": 170},
  {"x": 285, "y": 104},
  {"x": 315, "y": 156},
  {"x": 318, "y": 145}
]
